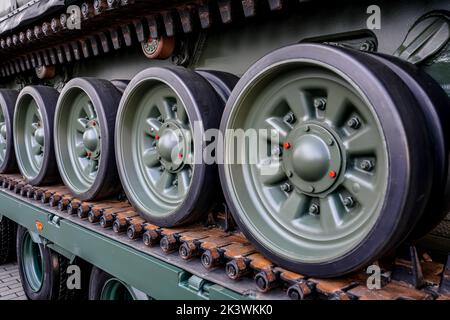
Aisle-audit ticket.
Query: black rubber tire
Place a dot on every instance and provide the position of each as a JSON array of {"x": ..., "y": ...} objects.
[
  {"x": 410, "y": 171},
  {"x": 98, "y": 280},
  {"x": 435, "y": 105},
  {"x": 222, "y": 82},
  {"x": 105, "y": 97},
  {"x": 8, "y": 100},
  {"x": 54, "y": 285},
  {"x": 120, "y": 84},
  {"x": 202, "y": 104},
  {"x": 8, "y": 229},
  {"x": 46, "y": 99}
]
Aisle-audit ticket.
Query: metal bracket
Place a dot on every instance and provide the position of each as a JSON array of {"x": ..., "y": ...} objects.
[
  {"x": 426, "y": 38},
  {"x": 407, "y": 267}
]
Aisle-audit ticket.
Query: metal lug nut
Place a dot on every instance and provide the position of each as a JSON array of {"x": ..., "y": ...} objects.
[
  {"x": 348, "y": 202},
  {"x": 286, "y": 187},
  {"x": 314, "y": 209},
  {"x": 161, "y": 168},
  {"x": 276, "y": 151},
  {"x": 354, "y": 123},
  {"x": 320, "y": 103},
  {"x": 367, "y": 165},
  {"x": 174, "y": 108},
  {"x": 289, "y": 117},
  {"x": 175, "y": 182}
]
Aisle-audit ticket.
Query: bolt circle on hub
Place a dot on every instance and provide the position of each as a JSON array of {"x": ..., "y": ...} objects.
[{"x": 312, "y": 156}]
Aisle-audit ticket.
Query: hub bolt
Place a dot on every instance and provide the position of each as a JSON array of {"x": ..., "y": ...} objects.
[
  {"x": 354, "y": 123},
  {"x": 286, "y": 145},
  {"x": 314, "y": 209},
  {"x": 157, "y": 137},
  {"x": 332, "y": 174},
  {"x": 276, "y": 151},
  {"x": 289, "y": 117},
  {"x": 320, "y": 103},
  {"x": 174, "y": 108},
  {"x": 289, "y": 174},
  {"x": 161, "y": 168},
  {"x": 175, "y": 182},
  {"x": 286, "y": 187},
  {"x": 348, "y": 202},
  {"x": 367, "y": 165}
]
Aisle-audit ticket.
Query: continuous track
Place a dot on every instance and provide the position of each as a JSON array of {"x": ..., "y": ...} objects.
[
  {"x": 111, "y": 25},
  {"x": 223, "y": 252}
]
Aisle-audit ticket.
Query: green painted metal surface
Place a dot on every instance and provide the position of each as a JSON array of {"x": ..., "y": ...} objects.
[{"x": 156, "y": 278}]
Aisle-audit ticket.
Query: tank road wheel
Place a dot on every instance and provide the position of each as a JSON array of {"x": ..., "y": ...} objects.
[
  {"x": 155, "y": 147},
  {"x": 84, "y": 137},
  {"x": 33, "y": 134},
  {"x": 43, "y": 272},
  {"x": 435, "y": 106},
  {"x": 8, "y": 162},
  {"x": 350, "y": 173},
  {"x": 104, "y": 286}
]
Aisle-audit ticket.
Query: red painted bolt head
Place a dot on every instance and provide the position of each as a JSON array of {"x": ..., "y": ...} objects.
[
  {"x": 157, "y": 136},
  {"x": 286, "y": 145},
  {"x": 332, "y": 174},
  {"x": 180, "y": 156}
]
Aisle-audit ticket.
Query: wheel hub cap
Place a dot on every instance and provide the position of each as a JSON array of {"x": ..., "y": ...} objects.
[
  {"x": 91, "y": 139},
  {"x": 39, "y": 136},
  {"x": 3, "y": 131},
  {"x": 171, "y": 145},
  {"x": 312, "y": 158}
]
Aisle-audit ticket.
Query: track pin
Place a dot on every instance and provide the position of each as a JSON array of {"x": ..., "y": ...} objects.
[
  {"x": 188, "y": 250},
  {"x": 266, "y": 280},
  {"x": 168, "y": 243},
  {"x": 237, "y": 268},
  {"x": 151, "y": 237}
]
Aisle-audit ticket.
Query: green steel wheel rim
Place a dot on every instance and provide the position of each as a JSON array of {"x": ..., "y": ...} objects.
[
  {"x": 3, "y": 137},
  {"x": 33, "y": 265},
  {"x": 161, "y": 148},
  {"x": 115, "y": 289},
  {"x": 326, "y": 175},
  {"x": 79, "y": 140},
  {"x": 31, "y": 137}
]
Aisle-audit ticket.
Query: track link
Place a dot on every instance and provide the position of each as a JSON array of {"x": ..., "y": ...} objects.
[{"x": 231, "y": 251}]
